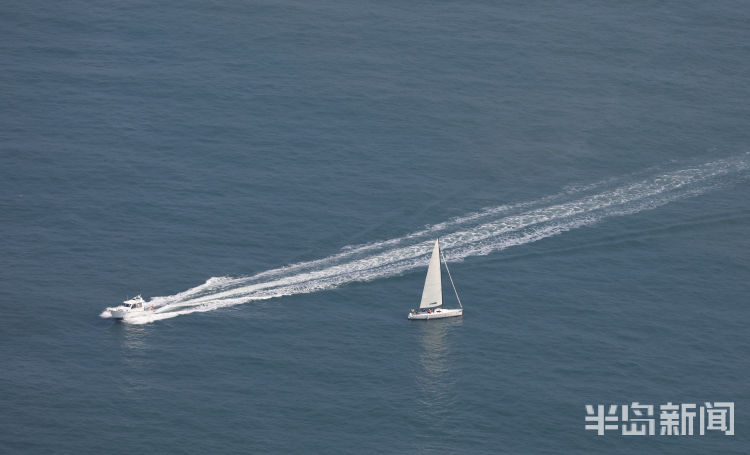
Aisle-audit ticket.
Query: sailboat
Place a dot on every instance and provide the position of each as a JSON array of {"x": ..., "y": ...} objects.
[{"x": 431, "y": 306}]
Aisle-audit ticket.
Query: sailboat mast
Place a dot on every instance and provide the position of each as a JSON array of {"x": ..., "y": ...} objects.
[
  {"x": 441, "y": 273},
  {"x": 451, "y": 278}
]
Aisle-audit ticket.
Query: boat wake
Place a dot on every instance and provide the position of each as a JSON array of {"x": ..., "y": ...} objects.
[{"x": 475, "y": 234}]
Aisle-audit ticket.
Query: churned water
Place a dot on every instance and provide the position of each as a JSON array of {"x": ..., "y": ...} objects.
[{"x": 271, "y": 177}]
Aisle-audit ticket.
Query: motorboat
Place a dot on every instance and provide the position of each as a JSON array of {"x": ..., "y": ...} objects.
[{"x": 130, "y": 306}]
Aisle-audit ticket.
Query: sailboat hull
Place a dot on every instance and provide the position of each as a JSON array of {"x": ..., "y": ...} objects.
[{"x": 438, "y": 313}]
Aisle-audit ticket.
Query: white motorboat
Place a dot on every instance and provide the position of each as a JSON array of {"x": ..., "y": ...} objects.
[
  {"x": 134, "y": 305},
  {"x": 432, "y": 295}
]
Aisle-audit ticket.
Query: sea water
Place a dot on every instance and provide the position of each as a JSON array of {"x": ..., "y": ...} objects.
[{"x": 271, "y": 177}]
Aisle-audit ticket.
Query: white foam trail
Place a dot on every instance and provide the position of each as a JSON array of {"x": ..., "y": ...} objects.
[{"x": 475, "y": 234}]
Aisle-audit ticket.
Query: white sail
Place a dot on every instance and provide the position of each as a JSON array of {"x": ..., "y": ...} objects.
[{"x": 432, "y": 294}]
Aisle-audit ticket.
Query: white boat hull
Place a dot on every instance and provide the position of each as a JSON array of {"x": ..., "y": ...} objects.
[
  {"x": 437, "y": 314},
  {"x": 117, "y": 314},
  {"x": 121, "y": 312}
]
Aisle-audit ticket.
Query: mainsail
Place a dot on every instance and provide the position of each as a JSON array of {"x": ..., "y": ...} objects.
[{"x": 432, "y": 294}]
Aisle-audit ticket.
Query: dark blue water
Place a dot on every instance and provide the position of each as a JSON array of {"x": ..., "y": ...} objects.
[{"x": 585, "y": 165}]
